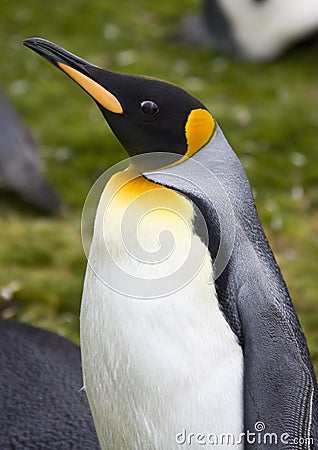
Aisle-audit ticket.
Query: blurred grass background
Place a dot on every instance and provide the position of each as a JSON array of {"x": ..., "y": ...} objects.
[{"x": 269, "y": 113}]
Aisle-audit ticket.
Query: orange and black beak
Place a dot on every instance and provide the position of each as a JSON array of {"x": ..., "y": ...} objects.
[{"x": 78, "y": 69}]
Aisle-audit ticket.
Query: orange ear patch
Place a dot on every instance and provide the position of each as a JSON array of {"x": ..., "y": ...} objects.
[
  {"x": 98, "y": 92},
  {"x": 198, "y": 130}
]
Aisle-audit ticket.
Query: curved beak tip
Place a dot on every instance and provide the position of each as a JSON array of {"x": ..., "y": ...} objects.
[{"x": 77, "y": 69}]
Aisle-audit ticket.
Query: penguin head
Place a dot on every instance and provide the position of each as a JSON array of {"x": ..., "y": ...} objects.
[{"x": 147, "y": 115}]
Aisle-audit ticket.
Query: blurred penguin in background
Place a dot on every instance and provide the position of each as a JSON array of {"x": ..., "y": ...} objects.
[
  {"x": 19, "y": 163},
  {"x": 256, "y": 30}
]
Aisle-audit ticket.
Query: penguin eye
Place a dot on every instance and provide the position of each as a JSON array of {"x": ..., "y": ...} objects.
[{"x": 149, "y": 107}]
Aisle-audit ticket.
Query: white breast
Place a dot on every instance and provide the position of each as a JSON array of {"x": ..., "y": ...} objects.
[{"x": 156, "y": 367}]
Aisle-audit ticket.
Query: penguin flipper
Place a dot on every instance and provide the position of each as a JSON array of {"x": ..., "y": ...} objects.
[{"x": 280, "y": 391}]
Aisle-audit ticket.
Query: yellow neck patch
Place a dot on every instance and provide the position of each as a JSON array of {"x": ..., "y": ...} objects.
[
  {"x": 198, "y": 130},
  {"x": 98, "y": 92},
  {"x": 129, "y": 186}
]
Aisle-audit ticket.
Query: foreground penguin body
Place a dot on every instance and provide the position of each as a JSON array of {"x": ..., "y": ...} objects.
[
  {"x": 252, "y": 29},
  {"x": 215, "y": 353},
  {"x": 42, "y": 403}
]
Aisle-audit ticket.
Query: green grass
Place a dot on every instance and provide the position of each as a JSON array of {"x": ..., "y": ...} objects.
[{"x": 268, "y": 112}]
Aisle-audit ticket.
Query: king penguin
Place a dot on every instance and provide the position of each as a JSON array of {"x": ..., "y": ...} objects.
[
  {"x": 256, "y": 30},
  {"x": 19, "y": 161},
  {"x": 182, "y": 347}
]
